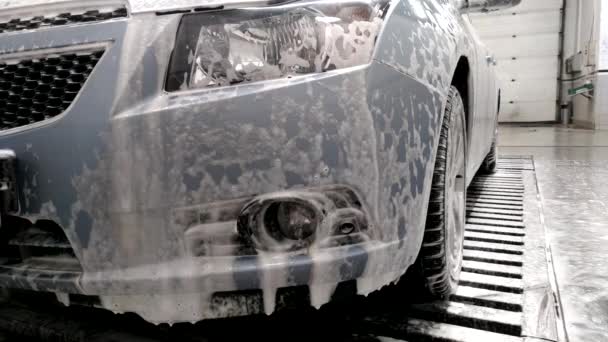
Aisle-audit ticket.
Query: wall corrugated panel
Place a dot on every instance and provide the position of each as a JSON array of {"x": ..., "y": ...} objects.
[
  {"x": 544, "y": 45},
  {"x": 528, "y": 68},
  {"x": 525, "y": 40}
]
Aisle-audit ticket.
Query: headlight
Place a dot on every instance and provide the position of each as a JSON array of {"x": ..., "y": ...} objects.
[{"x": 235, "y": 46}]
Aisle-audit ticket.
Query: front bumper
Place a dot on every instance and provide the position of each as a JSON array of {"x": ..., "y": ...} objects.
[{"x": 119, "y": 166}]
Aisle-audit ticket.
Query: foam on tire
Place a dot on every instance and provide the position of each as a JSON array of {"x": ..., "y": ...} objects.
[{"x": 433, "y": 260}]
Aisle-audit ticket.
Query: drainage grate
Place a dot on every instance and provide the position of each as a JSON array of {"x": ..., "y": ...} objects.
[
  {"x": 488, "y": 305},
  {"x": 489, "y": 302},
  {"x": 515, "y": 163}
]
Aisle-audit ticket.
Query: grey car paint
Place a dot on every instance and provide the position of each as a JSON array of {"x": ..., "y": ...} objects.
[{"x": 128, "y": 169}]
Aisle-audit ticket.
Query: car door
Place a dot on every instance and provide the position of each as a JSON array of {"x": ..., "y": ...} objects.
[
  {"x": 493, "y": 88},
  {"x": 491, "y": 101},
  {"x": 480, "y": 120}
]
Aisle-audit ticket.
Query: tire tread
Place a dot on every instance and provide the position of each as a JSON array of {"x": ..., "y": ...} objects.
[{"x": 432, "y": 261}]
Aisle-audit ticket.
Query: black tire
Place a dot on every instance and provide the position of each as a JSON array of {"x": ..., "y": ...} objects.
[
  {"x": 440, "y": 258},
  {"x": 489, "y": 163}
]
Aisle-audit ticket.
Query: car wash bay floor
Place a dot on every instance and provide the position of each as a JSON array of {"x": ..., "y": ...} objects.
[{"x": 572, "y": 172}]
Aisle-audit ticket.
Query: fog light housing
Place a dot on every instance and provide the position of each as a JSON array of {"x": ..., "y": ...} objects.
[
  {"x": 297, "y": 220},
  {"x": 290, "y": 220},
  {"x": 282, "y": 223}
]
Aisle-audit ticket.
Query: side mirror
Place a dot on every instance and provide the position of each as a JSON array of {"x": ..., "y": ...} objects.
[{"x": 484, "y": 6}]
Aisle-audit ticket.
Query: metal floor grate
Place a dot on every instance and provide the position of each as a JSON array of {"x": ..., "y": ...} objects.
[
  {"x": 515, "y": 163},
  {"x": 488, "y": 305}
]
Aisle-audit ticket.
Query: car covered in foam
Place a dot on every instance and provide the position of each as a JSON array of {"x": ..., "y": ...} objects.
[{"x": 195, "y": 159}]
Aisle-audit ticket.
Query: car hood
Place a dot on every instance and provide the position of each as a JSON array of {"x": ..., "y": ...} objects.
[{"x": 136, "y": 6}]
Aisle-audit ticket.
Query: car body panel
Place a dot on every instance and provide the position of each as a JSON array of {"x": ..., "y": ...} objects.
[
  {"x": 128, "y": 165},
  {"x": 438, "y": 37}
]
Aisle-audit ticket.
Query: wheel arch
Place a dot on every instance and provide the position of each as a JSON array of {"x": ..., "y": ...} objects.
[{"x": 462, "y": 81}]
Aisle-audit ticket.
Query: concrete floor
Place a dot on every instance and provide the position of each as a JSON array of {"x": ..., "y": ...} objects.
[{"x": 572, "y": 172}]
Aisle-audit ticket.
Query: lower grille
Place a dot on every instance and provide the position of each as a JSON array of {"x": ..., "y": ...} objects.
[
  {"x": 37, "y": 256},
  {"x": 34, "y": 89},
  {"x": 21, "y": 239}
]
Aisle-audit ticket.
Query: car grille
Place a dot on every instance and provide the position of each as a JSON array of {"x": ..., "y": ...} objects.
[
  {"x": 39, "y": 88},
  {"x": 32, "y": 23}
]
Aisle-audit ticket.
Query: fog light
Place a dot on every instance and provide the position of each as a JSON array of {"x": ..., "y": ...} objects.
[
  {"x": 347, "y": 228},
  {"x": 290, "y": 220}
]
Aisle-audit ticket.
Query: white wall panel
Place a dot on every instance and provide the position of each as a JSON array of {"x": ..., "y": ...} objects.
[
  {"x": 526, "y": 23},
  {"x": 531, "y": 6},
  {"x": 528, "y": 68},
  {"x": 525, "y": 46},
  {"x": 601, "y": 102},
  {"x": 527, "y": 111},
  {"x": 603, "y": 41},
  {"x": 529, "y": 90},
  {"x": 586, "y": 33},
  {"x": 526, "y": 41}
]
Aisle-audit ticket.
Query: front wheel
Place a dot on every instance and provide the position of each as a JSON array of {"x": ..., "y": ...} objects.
[{"x": 440, "y": 258}]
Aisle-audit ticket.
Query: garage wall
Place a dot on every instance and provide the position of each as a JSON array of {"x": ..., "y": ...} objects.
[
  {"x": 526, "y": 41},
  {"x": 585, "y": 38},
  {"x": 586, "y": 34},
  {"x": 601, "y": 93}
]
